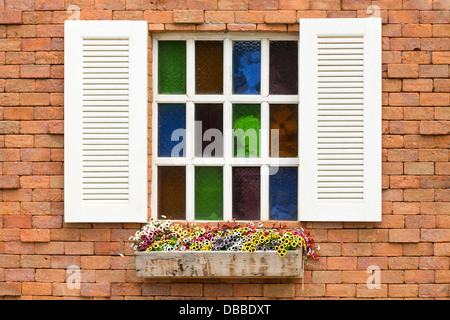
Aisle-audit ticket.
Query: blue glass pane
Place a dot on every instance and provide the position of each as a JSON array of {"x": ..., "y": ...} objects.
[
  {"x": 283, "y": 194},
  {"x": 171, "y": 130},
  {"x": 246, "y": 67}
]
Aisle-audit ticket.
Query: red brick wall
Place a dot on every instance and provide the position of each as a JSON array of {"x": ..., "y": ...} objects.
[{"x": 411, "y": 245}]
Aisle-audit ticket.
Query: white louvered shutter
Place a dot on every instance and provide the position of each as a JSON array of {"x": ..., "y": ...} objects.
[
  {"x": 340, "y": 120},
  {"x": 105, "y": 121}
]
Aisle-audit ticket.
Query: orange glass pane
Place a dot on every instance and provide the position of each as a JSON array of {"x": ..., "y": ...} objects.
[
  {"x": 209, "y": 67},
  {"x": 284, "y": 119},
  {"x": 172, "y": 193}
]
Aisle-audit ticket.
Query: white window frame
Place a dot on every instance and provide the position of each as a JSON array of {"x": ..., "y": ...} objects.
[{"x": 227, "y": 99}]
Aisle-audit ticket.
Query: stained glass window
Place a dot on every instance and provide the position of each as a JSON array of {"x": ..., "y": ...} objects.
[
  {"x": 171, "y": 192},
  {"x": 246, "y": 193},
  {"x": 226, "y": 134},
  {"x": 283, "y": 67},
  {"x": 171, "y": 129},
  {"x": 246, "y": 130},
  {"x": 172, "y": 67},
  {"x": 283, "y": 193},
  {"x": 246, "y": 67},
  {"x": 284, "y": 130},
  {"x": 208, "y": 130},
  {"x": 208, "y": 193},
  {"x": 209, "y": 67}
]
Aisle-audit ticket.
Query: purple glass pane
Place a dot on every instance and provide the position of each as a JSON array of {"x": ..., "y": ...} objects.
[
  {"x": 208, "y": 130},
  {"x": 283, "y": 78},
  {"x": 246, "y": 193}
]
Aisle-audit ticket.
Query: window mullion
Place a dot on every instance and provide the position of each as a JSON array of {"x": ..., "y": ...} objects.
[{"x": 265, "y": 67}]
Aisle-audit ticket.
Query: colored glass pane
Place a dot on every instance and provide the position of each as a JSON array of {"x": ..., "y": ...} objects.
[
  {"x": 284, "y": 130},
  {"x": 246, "y": 67},
  {"x": 246, "y": 130},
  {"x": 283, "y": 74},
  {"x": 171, "y": 130},
  {"x": 171, "y": 193},
  {"x": 208, "y": 130},
  {"x": 172, "y": 67},
  {"x": 246, "y": 193},
  {"x": 209, "y": 67},
  {"x": 208, "y": 193},
  {"x": 283, "y": 193}
]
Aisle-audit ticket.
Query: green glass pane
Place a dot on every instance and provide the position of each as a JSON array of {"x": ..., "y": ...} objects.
[
  {"x": 246, "y": 127},
  {"x": 172, "y": 67},
  {"x": 208, "y": 193}
]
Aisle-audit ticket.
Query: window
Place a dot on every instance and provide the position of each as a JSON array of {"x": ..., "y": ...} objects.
[
  {"x": 244, "y": 126},
  {"x": 225, "y": 114}
]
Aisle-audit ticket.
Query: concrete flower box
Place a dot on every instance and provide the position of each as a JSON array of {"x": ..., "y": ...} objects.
[{"x": 218, "y": 264}]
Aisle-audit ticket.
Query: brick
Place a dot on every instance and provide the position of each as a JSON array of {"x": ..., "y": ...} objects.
[
  {"x": 9, "y": 182},
  {"x": 406, "y": 208},
  {"x": 321, "y": 277},
  {"x": 285, "y": 290},
  {"x": 404, "y": 44},
  {"x": 78, "y": 248},
  {"x": 434, "y": 99},
  {"x": 433, "y": 290},
  {"x": 420, "y": 221},
  {"x": 433, "y": 71},
  {"x": 20, "y": 57},
  {"x": 10, "y": 289},
  {"x": 341, "y": 263},
  {"x": 36, "y": 289},
  {"x": 404, "y": 127},
  {"x": 403, "y": 263},
  {"x": 35, "y": 154},
  {"x": 186, "y": 289},
  {"x": 419, "y": 168},
  {"x": 35, "y": 71},
  {"x": 419, "y": 195},
  {"x": 107, "y": 248},
  {"x": 95, "y": 263},
  {"x": 403, "y": 290},
  {"x": 403, "y": 99},
  {"x": 262, "y": 4},
  {"x": 418, "y": 85},
  {"x": 404, "y": 182},
  {"x": 439, "y": 44},
  {"x": 95, "y": 235},
  {"x": 434, "y": 17},
  {"x": 17, "y": 221},
  {"x": 340, "y": 290},
  {"x": 434, "y": 127},
  {"x": 126, "y": 289},
  {"x": 404, "y": 235},
  {"x": 49, "y": 248},
  {"x": 441, "y": 30},
  {"x": 403, "y": 71},
  {"x": 348, "y": 235},
  {"x": 403, "y": 16},
  {"x": 35, "y": 235},
  {"x": 433, "y": 263},
  {"x": 47, "y": 222},
  {"x": 435, "y": 235},
  {"x": 439, "y": 57},
  {"x": 10, "y": 16},
  {"x": 161, "y": 289},
  {"x": 19, "y": 275},
  {"x": 188, "y": 16},
  {"x": 34, "y": 208},
  {"x": 9, "y": 71},
  {"x": 372, "y": 235},
  {"x": 47, "y": 195},
  {"x": 419, "y": 141},
  {"x": 442, "y": 276},
  {"x": 418, "y": 4},
  {"x": 36, "y": 44},
  {"x": 95, "y": 289},
  {"x": 417, "y": 30},
  {"x": 419, "y": 276},
  {"x": 241, "y": 27},
  {"x": 270, "y": 27},
  {"x": 283, "y": 16}
]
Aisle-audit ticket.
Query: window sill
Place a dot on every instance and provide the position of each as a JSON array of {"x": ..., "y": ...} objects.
[{"x": 218, "y": 264}]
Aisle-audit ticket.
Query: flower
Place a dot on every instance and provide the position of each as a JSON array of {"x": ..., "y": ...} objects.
[{"x": 165, "y": 236}]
